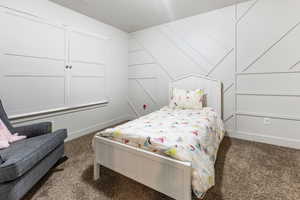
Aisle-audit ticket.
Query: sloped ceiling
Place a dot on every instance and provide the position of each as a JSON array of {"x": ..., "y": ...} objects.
[{"x": 134, "y": 15}]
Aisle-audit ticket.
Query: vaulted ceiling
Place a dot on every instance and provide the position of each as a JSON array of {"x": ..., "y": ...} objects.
[{"x": 133, "y": 15}]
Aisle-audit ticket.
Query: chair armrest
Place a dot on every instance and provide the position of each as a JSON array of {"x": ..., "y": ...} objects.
[
  {"x": 1, "y": 160},
  {"x": 34, "y": 129}
]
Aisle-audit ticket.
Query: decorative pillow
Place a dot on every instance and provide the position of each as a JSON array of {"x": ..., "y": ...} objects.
[
  {"x": 4, "y": 118},
  {"x": 6, "y": 137},
  {"x": 3, "y": 136},
  {"x": 187, "y": 99}
]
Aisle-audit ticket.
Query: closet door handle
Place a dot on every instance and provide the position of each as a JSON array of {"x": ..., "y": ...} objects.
[{"x": 69, "y": 67}]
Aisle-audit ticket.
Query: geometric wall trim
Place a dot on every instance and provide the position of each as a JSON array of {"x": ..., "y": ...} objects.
[{"x": 252, "y": 47}]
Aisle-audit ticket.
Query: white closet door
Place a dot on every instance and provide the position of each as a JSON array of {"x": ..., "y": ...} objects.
[
  {"x": 87, "y": 76},
  {"x": 32, "y": 63}
]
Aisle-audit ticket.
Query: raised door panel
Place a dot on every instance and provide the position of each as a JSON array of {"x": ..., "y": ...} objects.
[
  {"x": 32, "y": 93},
  {"x": 85, "y": 69},
  {"x": 29, "y": 36},
  {"x": 32, "y": 60},
  {"x": 87, "y": 48},
  {"x": 20, "y": 65},
  {"x": 88, "y": 73},
  {"x": 87, "y": 89}
]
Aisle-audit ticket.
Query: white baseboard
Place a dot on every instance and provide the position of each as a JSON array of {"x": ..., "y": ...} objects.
[
  {"x": 102, "y": 125},
  {"x": 290, "y": 143}
]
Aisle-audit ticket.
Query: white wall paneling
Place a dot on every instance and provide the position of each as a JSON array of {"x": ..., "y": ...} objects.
[
  {"x": 228, "y": 101},
  {"x": 280, "y": 131},
  {"x": 31, "y": 65},
  {"x": 87, "y": 47},
  {"x": 145, "y": 70},
  {"x": 36, "y": 34},
  {"x": 230, "y": 124},
  {"x": 139, "y": 58},
  {"x": 251, "y": 47},
  {"x": 224, "y": 71},
  {"x": 184, "y": 47},
  {"x": 40, "y": 38},
  {"x": 244, "y": 8},
  {"x": 266, "y": 78},
  {"x": 34, "y": 65},
  {"x": 266, "y": 83},
  {"x": 166, "y": 54},
  {"x": 269, "y": 104},
  {"x": 88, "y": 61},
  {"x": 140, "y": 95},
  {"x": 270, "y": 24}
]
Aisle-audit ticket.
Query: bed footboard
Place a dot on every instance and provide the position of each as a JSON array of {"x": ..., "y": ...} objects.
[{"x": 166, "y": 175}]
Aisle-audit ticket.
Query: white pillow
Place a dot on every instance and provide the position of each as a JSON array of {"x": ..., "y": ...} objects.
[{"x": 187, "y": 99}]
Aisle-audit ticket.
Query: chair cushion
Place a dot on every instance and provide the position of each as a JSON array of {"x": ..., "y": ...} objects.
[{"x": 23, "y": 155}]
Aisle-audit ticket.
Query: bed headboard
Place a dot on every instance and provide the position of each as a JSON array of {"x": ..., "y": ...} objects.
[{"x": 211, "y": 87}]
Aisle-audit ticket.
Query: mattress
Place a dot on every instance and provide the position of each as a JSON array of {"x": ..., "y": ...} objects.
[{"x": 186, "y": 135}]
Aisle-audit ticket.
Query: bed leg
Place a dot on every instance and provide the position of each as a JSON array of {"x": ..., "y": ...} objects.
[
  {"x": 96, "y": 171},
  {"x": 187, "y": 187}
]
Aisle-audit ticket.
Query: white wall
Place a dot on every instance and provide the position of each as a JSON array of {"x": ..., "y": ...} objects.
[
  {"x": 86, "y": 120},
  {"x": 252, "y": 47}
]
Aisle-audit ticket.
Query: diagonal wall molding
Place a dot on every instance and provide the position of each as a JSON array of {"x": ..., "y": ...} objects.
[
  {"x": 247, "y": 11},
  {"x": 268, "y": 51},
  {"x": 147, "y": 92},
  {"x": 183, "y": 51},
  {"x": 220, "y": 62},
  {"x": 228, "y": 118},
  {"x": 228, "y": 88},
  {"x": 194, "y": 75},
  {"x": 159, "y": 64},
  {"x": 194, "y": 49},
  {"x": 271, "y": 47},
  {"x": 133, "y": 108},
  {"x": 294, "y": 65}
]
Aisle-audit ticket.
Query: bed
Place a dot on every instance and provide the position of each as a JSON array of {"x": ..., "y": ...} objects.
[{"x": 170, "y": 150}]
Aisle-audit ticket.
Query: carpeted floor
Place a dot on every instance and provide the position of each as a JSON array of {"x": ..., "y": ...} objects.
[{"x": 244, "y": 171}]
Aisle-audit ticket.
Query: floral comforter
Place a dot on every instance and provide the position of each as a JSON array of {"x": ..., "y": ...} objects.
[{"x": 185, "y": 135}]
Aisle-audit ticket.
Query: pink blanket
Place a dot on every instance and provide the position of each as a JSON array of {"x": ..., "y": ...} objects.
[{"x": 6, "y": 137}]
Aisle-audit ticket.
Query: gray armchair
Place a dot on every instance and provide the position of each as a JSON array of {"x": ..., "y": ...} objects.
[
  {"x": 34, "y": 130},
  {"x": 25, "y": 162}
]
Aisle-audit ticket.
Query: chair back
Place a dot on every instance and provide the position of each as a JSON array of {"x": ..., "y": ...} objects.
[{"x": 4, "y": 118}]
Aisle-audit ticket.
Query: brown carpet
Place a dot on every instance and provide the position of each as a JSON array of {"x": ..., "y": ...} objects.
[{"x": 245, "y": 171}]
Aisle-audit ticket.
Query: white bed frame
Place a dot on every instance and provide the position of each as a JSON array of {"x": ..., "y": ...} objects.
[{"x": 166, "y": 175}]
